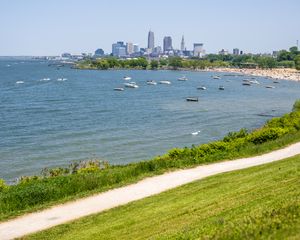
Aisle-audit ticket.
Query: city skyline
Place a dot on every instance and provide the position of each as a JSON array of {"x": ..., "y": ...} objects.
[{"x": 50, "y": 28}]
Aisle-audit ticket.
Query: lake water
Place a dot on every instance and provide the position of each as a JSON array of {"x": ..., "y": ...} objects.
[{"x": 48, "y": 123}]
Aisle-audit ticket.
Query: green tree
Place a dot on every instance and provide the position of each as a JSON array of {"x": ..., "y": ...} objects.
[
  {"x": 297, "y": 62},
  {"x": 142, "y": 62},
  {"x": 266, "y": 62},
  {"x": 163, "y": 62},
  {"x": 154, "y": 64},
  {"x": 175, "y": 62}
]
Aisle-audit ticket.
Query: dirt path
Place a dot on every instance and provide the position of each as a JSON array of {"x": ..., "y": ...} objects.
[{"x": 56, "y": 215}]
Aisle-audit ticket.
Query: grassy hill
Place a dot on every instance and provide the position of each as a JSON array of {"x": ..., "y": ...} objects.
[{"x": 257, "y": 203}]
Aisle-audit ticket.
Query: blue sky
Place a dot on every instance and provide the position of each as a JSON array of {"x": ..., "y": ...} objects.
[{"x": 44, "y": 27}]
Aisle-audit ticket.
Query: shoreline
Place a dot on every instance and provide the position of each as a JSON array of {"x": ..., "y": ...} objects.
[{"x": 276, "y": 73}]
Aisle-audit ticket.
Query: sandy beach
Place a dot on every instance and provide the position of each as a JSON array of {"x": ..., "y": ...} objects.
[{"x": 276, "y": 73}]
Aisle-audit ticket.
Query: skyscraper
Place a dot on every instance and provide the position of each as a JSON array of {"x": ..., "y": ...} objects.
[
  {"x": 129, "y": 48},
  {"x": 198, "y": 50},
  {"x": 136, "y": 48},
  {"x": 182, "y": 47},
  {"x": 167, "y": 44},
  {"x": 151, "y": 40}
]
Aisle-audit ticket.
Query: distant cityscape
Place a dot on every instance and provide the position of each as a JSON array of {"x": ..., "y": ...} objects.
[{"x": 120, "y": 49}]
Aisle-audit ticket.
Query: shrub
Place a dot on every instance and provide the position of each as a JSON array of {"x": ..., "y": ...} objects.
[
  {"x": 296, "y": 107},
  {"x": 3, "y": 185},
  {"x": 267, "y": 134}
]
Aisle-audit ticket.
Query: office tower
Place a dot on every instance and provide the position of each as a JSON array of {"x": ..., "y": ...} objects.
[
  {"x": 136, "y": 48},
  {"x": 129, "y": 48},
  {"x": 119, "y": 49},
  {"x": 151, "y": 40},
  {"x": 182, "y": 47},
  {"x": 236, "y": 51},
  {"x": 198, "y": 50},
  {"x": 167, "y": 44}
]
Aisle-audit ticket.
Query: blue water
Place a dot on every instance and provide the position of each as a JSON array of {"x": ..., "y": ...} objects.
[{"x": 51, "y": 123}]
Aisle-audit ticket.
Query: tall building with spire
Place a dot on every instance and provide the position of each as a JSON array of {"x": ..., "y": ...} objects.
[
  {"x": 182, "y": 47},
  {"x": 151, "y": 40}
]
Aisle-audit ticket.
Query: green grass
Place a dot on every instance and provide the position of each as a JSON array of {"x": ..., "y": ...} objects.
[
  {"x": 62, "y": 185},
  {"x": 257, "y": 203}
]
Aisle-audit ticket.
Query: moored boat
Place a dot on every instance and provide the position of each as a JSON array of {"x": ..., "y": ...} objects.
[
  {"x": 131, "y": 85},
  {"x": 165, "y": 82},
  {"x": 183, "y": 78},
  {"x": 151, "y": 82},
  {"x": 201, "y": 88},
  {"x": 221, "y": 88},
  {"x": 126, "y": 78},
  {"x": 192, "y": 99},
  {"x": 119, "y": 89}
]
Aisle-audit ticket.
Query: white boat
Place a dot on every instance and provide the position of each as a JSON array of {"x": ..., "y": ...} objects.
[
  {"x": 127, "y": 78},
  {"x": 19, "y": 82},
  {"x": 62, "y": 79},
  {"x": 192, "y": 99},
  {"x": 201, "y": 88},
  {"x": 151, "y": 82},
  {"x": 195, "y": 133},
  {"x": 254, "y": 82},
  {"x": 216, "y": 77},
  {"x": 165, "y": 82},
  {"x": 183, "y": 78},
  {"x": 119, "y": 89},
  {"x": 131, "y": 85}
]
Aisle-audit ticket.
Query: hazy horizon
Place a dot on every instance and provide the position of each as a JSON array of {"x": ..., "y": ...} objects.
[{"x": 36, "y": 28}]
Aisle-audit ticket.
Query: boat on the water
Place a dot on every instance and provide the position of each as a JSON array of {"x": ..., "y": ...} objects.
[
  {"x": 275, "y": 81},
  {"x": 62, "y": 79},
  {"x": 201, "y": 88},
  {"x": 192, "y": 99},
  {"x": 216, "y": 77},
  {"x": 269, "y": 86},
  {"x": 221, "y": 88},
  {"x": 246, "y": 83},
  {"x": 126, "y": 78},
  {"x": 254, "y": 82},
  {"x": 131, "y": 85},
  {"x": 19, "y": 82},
  {"x": 118, "y": 89},
  {"x": 183, "y": 78},
  {"x": 165, "y": 82},
  {"x": 151, "y": 82}
]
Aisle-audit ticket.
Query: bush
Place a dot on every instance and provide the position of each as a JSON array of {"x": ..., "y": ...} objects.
[
  {"x": 296, "y": 107},
  {"x": 3, "y": 185},
  {"x": 267, "y": 134}
]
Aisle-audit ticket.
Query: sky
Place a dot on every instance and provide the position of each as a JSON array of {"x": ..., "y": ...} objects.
[{"x": 51, "y": 27}]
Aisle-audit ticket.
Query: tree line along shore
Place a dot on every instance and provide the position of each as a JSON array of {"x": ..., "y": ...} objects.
[
  {"x": 79, "y": 179},
  {"x": 286, "y": 61}
]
